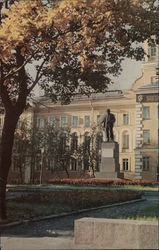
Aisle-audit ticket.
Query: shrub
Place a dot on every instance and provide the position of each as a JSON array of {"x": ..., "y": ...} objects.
[{"x": 81, "y": 196}]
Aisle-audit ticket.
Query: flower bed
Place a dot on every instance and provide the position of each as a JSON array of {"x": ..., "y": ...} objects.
[{"x": 104, "y": 182}]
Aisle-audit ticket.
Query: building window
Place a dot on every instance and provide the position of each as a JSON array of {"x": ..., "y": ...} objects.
[
  {"x": 87, "y": 121},
  {"x": 52, "y": 121},
  {"x": 38, "y": 162},
  {"x": 63, "y": 121},
  {"x": 51, "y": 164},
  {"x": 125, "y": 165},
  {"x": 125, "y": 141},
  {"x": 99, "y": 140},
  {"x": 74, "y": 146},
  {"x": 86, "y": 151},
  {"x": 16, "y": 164},
  {"x": 98, "y": 118},
  {"x": 146, "y": 112},
  {"x": 40, "y": 122},
  {"x": 74, "y": 142},
  {"x": 145, "y": 163},
  {"x": 73, "y": 164},
  {"x": 146, "y": 136},
  {"x": 153, "y": 50},
  {"x": 125, "y": 119},
  {"x": 75, "y": 121},
  {"x": 63, "y": 143}
]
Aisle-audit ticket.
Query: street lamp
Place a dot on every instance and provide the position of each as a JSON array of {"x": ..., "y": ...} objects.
[{"x": 42, "y": 160}]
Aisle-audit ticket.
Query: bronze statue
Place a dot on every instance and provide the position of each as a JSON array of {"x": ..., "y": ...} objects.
[{"x": 108, "y": 120}]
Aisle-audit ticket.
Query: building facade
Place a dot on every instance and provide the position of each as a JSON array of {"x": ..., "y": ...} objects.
[{"x": 136, "y": 127}]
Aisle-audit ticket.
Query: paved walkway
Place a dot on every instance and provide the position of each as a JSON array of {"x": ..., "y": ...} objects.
[{"x": 58, "y": 233}]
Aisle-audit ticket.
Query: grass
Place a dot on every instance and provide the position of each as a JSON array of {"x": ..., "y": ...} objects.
[
  {"x": 150, "y": 212},
  {"x": 69, "y": 186}
]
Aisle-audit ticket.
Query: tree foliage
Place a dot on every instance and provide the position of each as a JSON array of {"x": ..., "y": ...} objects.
[{"x": 75, "y": 47}]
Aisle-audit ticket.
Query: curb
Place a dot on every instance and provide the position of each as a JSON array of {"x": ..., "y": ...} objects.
[{"x": 16, "y": 223}]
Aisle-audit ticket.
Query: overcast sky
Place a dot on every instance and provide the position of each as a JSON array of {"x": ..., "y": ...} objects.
[{"x": 131, "y": 71}]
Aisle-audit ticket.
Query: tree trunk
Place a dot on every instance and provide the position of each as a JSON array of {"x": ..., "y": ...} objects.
[
  {"x": 13, "y": 110},
  {"x": 32, "y": 179},
  {"x": 21, "y": 168},
  {"x": 9, "y": 127},
  {"x": 65, "y": 164}
]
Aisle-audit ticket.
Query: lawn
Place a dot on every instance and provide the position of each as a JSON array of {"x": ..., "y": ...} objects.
[
  {"x": 154, "y": 188},
  {"x": 44, "y": 203},
  {"x": 150, "y": 212}
]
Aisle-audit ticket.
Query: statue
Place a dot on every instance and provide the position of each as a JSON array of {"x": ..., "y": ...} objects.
[{"x": 108, "y": 120}]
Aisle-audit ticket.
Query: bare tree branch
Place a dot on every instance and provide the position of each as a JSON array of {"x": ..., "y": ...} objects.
[
  {"x": 38, "y": 75},
  {"x": 11, "y": 73}
]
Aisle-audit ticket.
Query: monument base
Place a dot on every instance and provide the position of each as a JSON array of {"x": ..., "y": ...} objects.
[
  {"x": 109, "y": 175},
  {"x": 110, "y": 168}
]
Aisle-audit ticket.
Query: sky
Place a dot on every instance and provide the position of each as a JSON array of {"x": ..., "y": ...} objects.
[{"x": 131, "y": 71}]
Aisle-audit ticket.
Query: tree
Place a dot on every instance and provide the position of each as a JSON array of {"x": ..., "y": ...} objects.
[
  {"x": 63, "y": 150},
  {"x": 89, "y": 152},
  {"x": 36, "y": 143},
  {"x": 21, "y": 146},
  {"x": 56, "y": 143},
  {"x": 72, "y": 46}
]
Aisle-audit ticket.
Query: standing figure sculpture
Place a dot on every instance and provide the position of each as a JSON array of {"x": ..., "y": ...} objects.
[{"x": 108, "y": 120}]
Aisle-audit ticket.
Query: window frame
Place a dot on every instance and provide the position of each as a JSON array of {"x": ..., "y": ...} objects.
[
  {"x": 125, "y": 161},
  {"x": 98, "y": 118},
  {"x": 126, "y": 145},
  {"x": 52, "y": 121},
  {"x": 85, "y": 125},
  {"x": 153, "y": 50},
  {"x": 74, "y": 164},
  {"x": 126, "y": 119},
  {"x": 66, "y": 124},
  {"x": 144, "y": 131},
  {"x": 145, "y": 117},
  {"x": 74, "y": 141},
  {"x": 145, "y": 163},
  {"x": 76, "y": 125},
  {"x": 38, "y": 122}
]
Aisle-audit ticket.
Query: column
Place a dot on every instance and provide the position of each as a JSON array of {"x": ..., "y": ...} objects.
[{"x": 139, "y": 140}]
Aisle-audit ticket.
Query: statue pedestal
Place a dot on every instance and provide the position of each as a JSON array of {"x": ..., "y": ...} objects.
[{"x": 110, "y": 168}]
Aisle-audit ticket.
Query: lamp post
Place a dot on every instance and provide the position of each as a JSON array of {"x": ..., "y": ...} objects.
[{"x": 42, "y": 161}]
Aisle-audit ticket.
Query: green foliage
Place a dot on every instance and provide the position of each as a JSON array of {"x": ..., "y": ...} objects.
[
  {"x": 75, "y": 53},
  {"x": 89, "y": 151},
  {"x": 50, "y": 145}
]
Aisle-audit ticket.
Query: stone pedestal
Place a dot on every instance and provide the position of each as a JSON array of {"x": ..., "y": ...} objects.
[
  {"x": 101, "y": 233},
  {"x": 110, "y": 168}
]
